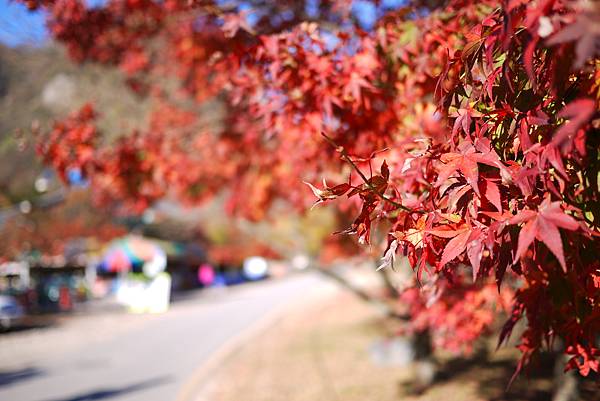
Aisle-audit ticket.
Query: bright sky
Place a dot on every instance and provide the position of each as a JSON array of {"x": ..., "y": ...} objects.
[{"x": 18, "y": 26}]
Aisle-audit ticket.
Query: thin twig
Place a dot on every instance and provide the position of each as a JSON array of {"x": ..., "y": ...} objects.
[{"x": 346, "y": 157}]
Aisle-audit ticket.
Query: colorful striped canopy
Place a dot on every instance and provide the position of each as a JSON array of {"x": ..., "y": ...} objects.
[{"x": 125, "y": 253}]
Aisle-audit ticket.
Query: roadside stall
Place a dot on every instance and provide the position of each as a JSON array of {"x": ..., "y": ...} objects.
[
  {"x": 137, "y": 267},
  {"x": 183, "y": 262}
]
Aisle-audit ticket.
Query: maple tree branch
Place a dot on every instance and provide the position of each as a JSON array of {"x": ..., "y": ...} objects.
[
  {"x": 363, "y": 295},
  {"x": 347, "y": 158}
]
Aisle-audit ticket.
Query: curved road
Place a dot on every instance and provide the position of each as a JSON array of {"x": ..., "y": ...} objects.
[{"x": 126, "y": 357}]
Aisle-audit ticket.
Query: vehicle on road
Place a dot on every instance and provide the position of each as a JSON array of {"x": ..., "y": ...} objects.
[{"x": 11, "y": 312}]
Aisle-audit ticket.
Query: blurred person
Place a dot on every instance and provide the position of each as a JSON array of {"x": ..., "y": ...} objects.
[
  {"x": 65, "y": 301},
  {"x": 206, "y": 275}
]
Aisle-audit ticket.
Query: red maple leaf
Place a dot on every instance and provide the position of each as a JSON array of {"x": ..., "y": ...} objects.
[
  {"x": 465, "y": 161},
  {"x": 578, "y": 112},
  {"x": 464, "y": 238},
  {"x": 543, "y": 225},
  {"x": 585, "y": 32}
]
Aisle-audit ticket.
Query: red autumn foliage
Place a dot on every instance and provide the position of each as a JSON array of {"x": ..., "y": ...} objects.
[
  {"x": 470, "y": 128},
  {"x": 48, "y": 232},
  {"x": 234, "y": 254}
]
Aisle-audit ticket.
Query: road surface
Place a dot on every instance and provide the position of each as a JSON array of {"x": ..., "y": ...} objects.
[{"x": 135, "y": 357}]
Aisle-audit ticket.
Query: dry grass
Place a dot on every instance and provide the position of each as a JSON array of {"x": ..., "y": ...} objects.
[{"x": 321, "y": 353}]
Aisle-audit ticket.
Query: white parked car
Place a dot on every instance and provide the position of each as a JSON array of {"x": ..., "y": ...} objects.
[{"x": 11, "y": 312}]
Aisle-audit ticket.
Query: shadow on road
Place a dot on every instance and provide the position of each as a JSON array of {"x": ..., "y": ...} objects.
[
  {"x": 106, "y": 393},
  {"x": 11, "y": 377},
  {"x": 33, "y": 322}
]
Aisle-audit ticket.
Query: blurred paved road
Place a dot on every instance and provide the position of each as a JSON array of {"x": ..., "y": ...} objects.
[{"x": 147, "y": 358}]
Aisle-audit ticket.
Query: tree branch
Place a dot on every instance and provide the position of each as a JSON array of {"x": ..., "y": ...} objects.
[
  {"x": 347, "y": 158},
  {"x": 361, "y": 294}
]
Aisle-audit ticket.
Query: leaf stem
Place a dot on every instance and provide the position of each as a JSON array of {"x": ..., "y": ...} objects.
[{"x": 347, "y": 158}]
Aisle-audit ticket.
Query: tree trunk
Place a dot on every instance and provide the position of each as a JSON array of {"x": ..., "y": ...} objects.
[
  {"x": 566, "y": 385},
  {"x": 392, "y": 292},
  {"x": 425, "y": 366}
]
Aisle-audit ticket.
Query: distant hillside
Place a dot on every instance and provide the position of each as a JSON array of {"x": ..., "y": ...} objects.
[{"x": 41, "y": 84}]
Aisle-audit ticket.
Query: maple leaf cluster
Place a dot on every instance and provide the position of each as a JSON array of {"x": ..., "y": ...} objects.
[{"x": 471, "y": 129}]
